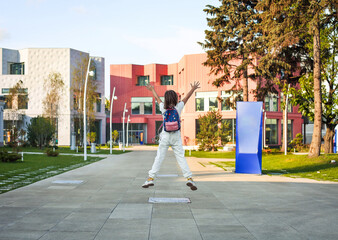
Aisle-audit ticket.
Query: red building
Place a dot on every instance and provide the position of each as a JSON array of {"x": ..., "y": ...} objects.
[{"x": 129, "y": 81}]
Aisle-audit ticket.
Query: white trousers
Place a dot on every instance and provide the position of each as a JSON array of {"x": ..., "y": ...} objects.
[{"x": 174, "y": 140}]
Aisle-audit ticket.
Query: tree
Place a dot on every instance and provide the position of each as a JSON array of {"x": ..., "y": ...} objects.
[
  {"x": 230, "y": 38},
  {"x": 115, "y": 135},
  {"x": 54, "y": 86},
  {"x": 40, "y": 131},
  {"x": 212, "y": 131},
  {"x": 304, "y": 97},
  {"x": 78, "y": 82},
  {"x": 16, "y": 100},
  {"x": 285, "y": 22}
]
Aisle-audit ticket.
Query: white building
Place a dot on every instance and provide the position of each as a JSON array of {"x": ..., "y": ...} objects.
[{"x": 32, "y": 66}]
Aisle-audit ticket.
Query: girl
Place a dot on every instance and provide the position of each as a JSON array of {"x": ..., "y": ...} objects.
[{"x": 172, "y": 139}]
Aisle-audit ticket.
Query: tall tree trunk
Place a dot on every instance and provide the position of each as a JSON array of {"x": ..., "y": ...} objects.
[
  {"x": 328, "y": 138},
  {"x": 317, "y": 128},
  {"x": 284, "y": 125},
  {"x": 245, "y": 86}
]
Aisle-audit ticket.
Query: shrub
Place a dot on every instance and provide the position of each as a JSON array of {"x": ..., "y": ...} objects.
[
  {"x": 8, "y": 157},
  {"x": 51, "y": 153}
]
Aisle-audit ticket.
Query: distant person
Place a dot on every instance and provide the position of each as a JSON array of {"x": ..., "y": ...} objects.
[{"x": 171, "y": 135}]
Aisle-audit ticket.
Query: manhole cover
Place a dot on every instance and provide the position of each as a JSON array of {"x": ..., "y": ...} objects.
[
  {"x": 169, "y": 200},
  {"x": 67, "y": 181}
]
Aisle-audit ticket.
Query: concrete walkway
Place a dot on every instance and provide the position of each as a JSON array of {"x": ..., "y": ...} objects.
[{"x": 110, "y": 204}]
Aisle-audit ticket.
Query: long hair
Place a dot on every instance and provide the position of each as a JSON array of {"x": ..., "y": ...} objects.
[{"x": 170, "y": 99}]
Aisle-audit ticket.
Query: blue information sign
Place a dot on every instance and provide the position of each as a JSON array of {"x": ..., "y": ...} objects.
[{"x": 249, "y": 137}]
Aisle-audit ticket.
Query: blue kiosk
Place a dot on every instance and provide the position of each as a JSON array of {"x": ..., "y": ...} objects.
[{"x": 249, "y": 137}]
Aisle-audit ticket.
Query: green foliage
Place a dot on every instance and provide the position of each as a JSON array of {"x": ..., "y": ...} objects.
[
  {"x": 51, "y": 153},
  {"x": 297, "y": 143},
  {"x": 8, "y": 157},
  {"x": 40, "y": 131},
  {"x": 212, "y": 132},
  {"x": 91, "y": 136},
  {"x": 114, "y": 136}
]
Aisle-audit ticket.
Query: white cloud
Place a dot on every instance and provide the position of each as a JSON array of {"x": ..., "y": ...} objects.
[
  {"x": 79, "y": 10},
  {"x": 170, "y": 48},
  {"x": 3, "y": 34}
]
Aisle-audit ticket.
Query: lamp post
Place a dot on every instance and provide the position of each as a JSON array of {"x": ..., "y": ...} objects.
[
  {"x": 124, "y": 113},
  {"x": 91, "y": 73},
  {"x": 113, "y": 97},
  {"x": 286, "y": 123},
  {"x": 127, "y": 128}
]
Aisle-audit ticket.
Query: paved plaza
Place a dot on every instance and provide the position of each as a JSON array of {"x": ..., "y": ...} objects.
[{"x": 105, "y": 200}]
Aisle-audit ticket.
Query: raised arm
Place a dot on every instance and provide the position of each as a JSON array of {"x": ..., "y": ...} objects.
[
  {"x": 151, "y": 88},
  {"x": 194, "y": 86}
]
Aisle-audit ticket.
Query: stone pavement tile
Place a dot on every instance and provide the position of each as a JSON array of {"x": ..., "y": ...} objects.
[
  {"x": 211, "y": 213},
  {"x": 68, "y": 236},
  {"x": 135, "y": 198},
  {"x": 29, "y": 226},
  {"x": 227, "y": 220},
  {"x": 212, "y": 232},
  {"x": 88, "y": 216},
  {"x": 132, "y": 211},
  {"x": 21, "y": 235},
  {"x": 78, "y": 225},
  {"x": 11, "y": 214},
  {"x": 254, "y": 215},
  {"x": 274, "y": 231},
  {"x": 178, "y": 229},
  {"x": 124, "y": 229}
]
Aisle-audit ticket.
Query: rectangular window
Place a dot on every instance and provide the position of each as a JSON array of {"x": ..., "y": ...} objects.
[
  {"x": 157, "y": 111},
  {"x": 206, "y": 101},
  {"x": 17, "y": 68},
  {"x": 141, "y": 105},
  {"x": 98, "y": 103},
  {"x": 271, "y": 129},
  {"x": 23, "y": 101},
  {"x": 167, "y": 80},
  {"x": 197, "y": 128},
  {"x": 289, "y": 103},
  {"x": 271, "y": 103},
  {"x": 290, "y": 129},
  {"x": 230, "y": 129},
  {"x": 8, "y": 103},
  {"x": 212, "y": 103},
  {"x": 142, "y": 80}
]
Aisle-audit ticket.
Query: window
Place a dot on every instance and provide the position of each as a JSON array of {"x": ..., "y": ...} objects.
[
  {"x": 8, "y": 103},
  {"x": 23, "y": 101},
  {"x": 141, "y": 105},
  {"x": 17, "y": 68},
  {"x": 157, "y": 111},
  {"x": 289, "y": 103},
  {"x": 142, "y": 80},
  {"x": 167, "y": 80},
  {"x": 229, "y": 99},
  {"x": 271, "y": 130},
  {"x": 98, "y": 103},
  {"x": 197, "y": 128},
  {"x": 290, "y": 129},
  {"x": 271, "y": 103},
  {"x": 206, "y": 101},
  {"x": 230, "y": 129}
]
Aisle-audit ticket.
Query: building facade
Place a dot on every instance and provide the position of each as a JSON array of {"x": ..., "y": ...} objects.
[
  {"x": 32, "y": 66},
  {"x": 129, "y": 81}
]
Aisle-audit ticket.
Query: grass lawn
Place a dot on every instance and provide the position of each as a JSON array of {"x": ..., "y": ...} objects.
[
  {"x": 319, "y": 168},
  {"x": 67, "y": 150},
  {"x": 218, "y": 154},
  {"x": 37, "y": 167}
]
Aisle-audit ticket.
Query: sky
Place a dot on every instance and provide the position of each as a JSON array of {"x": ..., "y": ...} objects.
[{"x": 121, "y": 31}]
